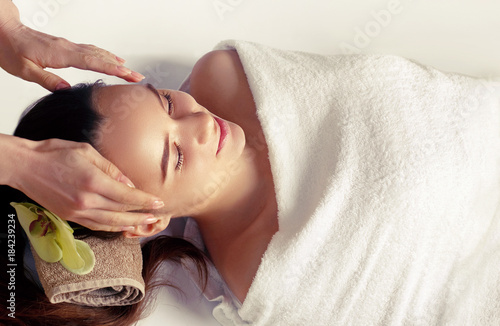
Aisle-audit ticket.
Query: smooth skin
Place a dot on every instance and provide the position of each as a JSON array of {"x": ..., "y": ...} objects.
[
  {"x": 70, "y": 179},
  {"x": 230, "y": 192}
]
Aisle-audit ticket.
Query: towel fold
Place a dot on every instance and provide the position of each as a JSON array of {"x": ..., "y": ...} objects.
[
  {"x": 116, "y": 279},
  {"x": 387, "y": 176}
]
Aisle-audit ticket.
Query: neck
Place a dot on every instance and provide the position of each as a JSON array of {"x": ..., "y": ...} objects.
[
  {"x": 250, "y": 211},
  {"x": 238, "y": 235}
]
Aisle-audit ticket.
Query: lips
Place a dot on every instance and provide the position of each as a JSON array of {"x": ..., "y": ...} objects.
[{"x": 224, "y": 130}]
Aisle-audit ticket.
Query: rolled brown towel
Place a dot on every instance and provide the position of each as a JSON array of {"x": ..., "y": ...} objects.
[{"x": 116, "y": 279}]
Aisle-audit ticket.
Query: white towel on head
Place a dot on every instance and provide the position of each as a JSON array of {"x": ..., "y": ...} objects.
[{"x": 387, "y": 178}]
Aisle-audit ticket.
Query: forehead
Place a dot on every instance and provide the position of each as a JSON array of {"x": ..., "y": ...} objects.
[
  {"x": 132, "y": 133},
  {"x": 129, "y": 111},
  {"x": 123, "y": 99}
]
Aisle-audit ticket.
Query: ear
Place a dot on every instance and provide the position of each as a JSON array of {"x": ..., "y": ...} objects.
[{"x": 148, "y": 230}]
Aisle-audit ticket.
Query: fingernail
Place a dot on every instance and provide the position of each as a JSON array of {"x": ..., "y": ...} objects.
[
  {"x": 128, "y": 228},
  {"x": 126, "y": 181},
  {"x": 137, "y": 75},
  {"x": 62, "y": 85},
  {"x": 150, "y": 220},
  {"x": 124, "y": 70},
  {"x": 121, "y": 60},
  {"x": 158, "y": 204}
]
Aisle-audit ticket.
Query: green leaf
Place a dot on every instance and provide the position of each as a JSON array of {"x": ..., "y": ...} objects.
[
  {"x": 65, "y": 240},
  {"x": 70, "y": 257},
  {"x": 52, "y": 238},
  {"x": 59, "y": 221},
  {"x": 46, "y": 247},
  {"x": 87, "y": 255}
]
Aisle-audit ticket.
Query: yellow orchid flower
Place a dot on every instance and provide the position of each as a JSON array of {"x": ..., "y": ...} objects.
[{"x": 52, "y": 238}]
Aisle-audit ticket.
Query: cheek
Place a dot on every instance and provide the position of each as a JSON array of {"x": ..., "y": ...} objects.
[
  {"x": 184, "y": 198},
  {"x": 203, "y": 189}
]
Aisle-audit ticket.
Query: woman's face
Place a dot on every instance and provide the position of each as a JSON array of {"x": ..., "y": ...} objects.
[{"x": 168, "y": 145}]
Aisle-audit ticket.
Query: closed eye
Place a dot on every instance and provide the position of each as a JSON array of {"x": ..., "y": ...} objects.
[
  {"x": 170, "y": 103},
  {"x": 180, "y": 157}
]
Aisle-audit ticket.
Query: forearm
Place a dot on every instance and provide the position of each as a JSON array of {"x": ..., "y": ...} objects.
[{"x": 12, "y": 159}]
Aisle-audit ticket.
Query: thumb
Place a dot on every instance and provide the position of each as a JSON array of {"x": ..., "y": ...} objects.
[{"x": 46, "y": 79}]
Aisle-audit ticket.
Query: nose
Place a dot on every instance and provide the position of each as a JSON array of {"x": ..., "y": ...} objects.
[
  {"x": 199, "y": 126},
  {"x": 206, "y": 128}
]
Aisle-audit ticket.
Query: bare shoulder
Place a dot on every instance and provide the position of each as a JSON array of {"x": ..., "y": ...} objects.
[{"x": 218, "y": 82}]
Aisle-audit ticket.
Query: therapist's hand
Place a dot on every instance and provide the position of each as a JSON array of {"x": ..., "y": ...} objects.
[
  {"x": 26, "y": 53},
  {"x": 75, "y": 182}
]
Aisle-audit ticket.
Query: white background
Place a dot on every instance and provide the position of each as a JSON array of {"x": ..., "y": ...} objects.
[{"x": 162, "y": 39}]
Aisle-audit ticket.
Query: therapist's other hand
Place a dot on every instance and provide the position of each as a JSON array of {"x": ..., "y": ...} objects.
[
  {"x": 75, "y": 182},
  {"x": 26, "y": 53}
]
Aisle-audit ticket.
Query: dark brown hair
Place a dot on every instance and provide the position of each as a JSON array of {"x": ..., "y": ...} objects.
[{"x": 70, "y": 115}]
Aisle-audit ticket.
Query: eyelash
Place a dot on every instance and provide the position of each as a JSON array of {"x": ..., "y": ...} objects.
[
  {"x": 170, "y": 103},
  {"x": 180, "y": 157},
  {"x": 180, "y": 154}
]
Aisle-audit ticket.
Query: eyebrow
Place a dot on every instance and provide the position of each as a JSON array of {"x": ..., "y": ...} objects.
[
  {"x": 166, "y": 148},
  {"x": 155, "y": 91}
]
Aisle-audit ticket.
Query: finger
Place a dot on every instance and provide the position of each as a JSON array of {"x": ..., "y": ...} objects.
[
  {"x": 99, "y": 52},
  {"x": 133, "y": 77},
  {"x": 44, "y": 78},
  {"x": 101, "y": 220},
  {"x": 111, "y": 188},
  {"x": 127, "y": 198},
  {"x": 101, "y": 202},
  {"x": 121, "y": 60},
  {"x": 107, "y": 65}
]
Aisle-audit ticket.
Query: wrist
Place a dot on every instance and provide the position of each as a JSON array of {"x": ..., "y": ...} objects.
[
  {"x": 15, "y": 153},
  {"x": 9, "y": 17}
]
